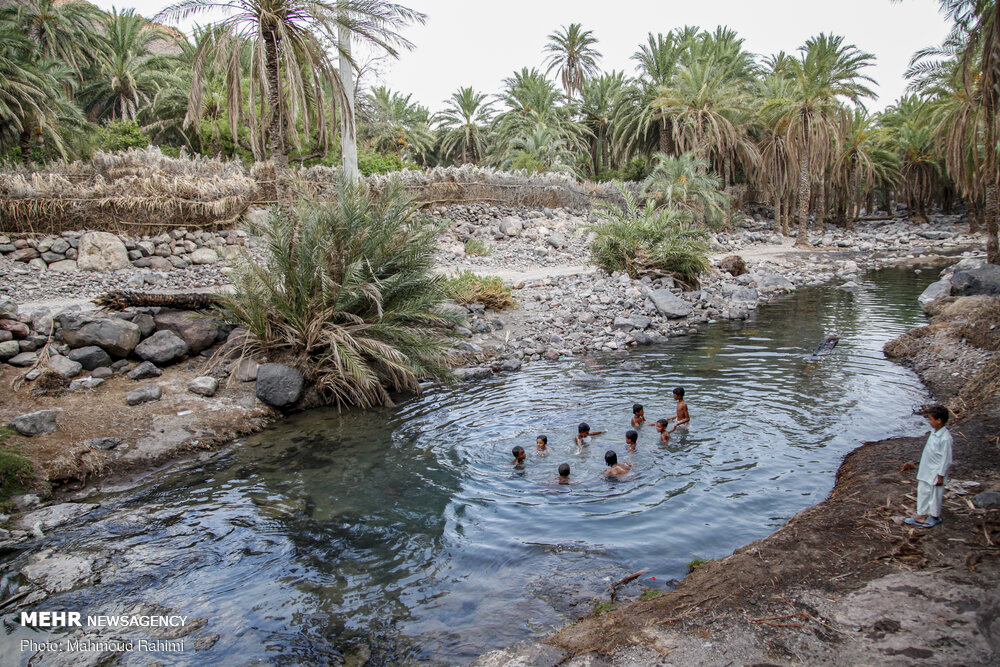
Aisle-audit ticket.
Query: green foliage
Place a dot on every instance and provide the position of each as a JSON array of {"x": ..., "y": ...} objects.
[
  {"x": 16, "y": 472},
  {"x": 649, "y": 594},
  {"x": 353, "y": 303},
  {"x": 602, "y": 608},
  {"x": 523, "y": 160},
  {"x": 684, "y": 182},
  {"x": 468, "y": 287},
  {"x": 477, "y": 247},
  {"x": 120, "y": 135},
  {"x": 694, "y": 563},
  {"x": 372, "y": 162},
  {"x": 649, "y": 241}
]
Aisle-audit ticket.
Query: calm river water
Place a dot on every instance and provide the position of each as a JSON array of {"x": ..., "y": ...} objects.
[{"x": 407, "y": 533}]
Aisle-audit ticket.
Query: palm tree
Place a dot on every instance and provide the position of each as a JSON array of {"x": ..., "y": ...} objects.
[
  {"x": 572, "y": 54},
  {"x": 598, "y": 101},
  {"x": 684, "y": 182},
  {"x": 60, "y": 31},
  {"x": 290, "y": 65},
  {"x": 541, "y": 150},
  {"x": 826, "y": 71},
  {"x": 865, "y": 161},
  {"x": 464, "y": 121},
  {"x": 129, "y": 75},
  {"x": 396, "y": 125}
]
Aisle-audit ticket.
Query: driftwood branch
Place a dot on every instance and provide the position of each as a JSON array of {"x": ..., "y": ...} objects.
[{"x": 625, "y": 580}]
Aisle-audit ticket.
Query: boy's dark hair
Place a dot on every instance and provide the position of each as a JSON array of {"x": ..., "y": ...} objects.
[
  {"x": 543, "y": 438},
  {"x": 583, "y": 427},
  {"x": 939, "y": 412},
  {"x": 610, "y": 457},
  {"x": 631, "y": 436},
  {"x": 636, "y": 408},
  {"x": 679, "y": 391},
  {"x": 662, "y": 422},
  {"x": 564, "y": 470},
  {"x": 517, "y": 451}
]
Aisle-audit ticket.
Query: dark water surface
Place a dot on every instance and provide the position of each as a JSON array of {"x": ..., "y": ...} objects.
[{"x": 408, "y": 532}]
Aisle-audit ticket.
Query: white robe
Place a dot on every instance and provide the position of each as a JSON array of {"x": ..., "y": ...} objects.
[{"x": 935, "y": 461}]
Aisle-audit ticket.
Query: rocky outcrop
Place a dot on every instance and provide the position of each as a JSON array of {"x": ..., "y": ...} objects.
[{"x": 101, "y": 251}]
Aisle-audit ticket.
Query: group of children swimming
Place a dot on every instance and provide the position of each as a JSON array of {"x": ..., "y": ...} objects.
[{"x": 584, "y": 434}]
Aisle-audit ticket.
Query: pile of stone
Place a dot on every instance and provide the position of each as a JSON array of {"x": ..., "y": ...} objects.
[
  {"x": 969, "y": 277},
  {"x": 102, "y": 251}
]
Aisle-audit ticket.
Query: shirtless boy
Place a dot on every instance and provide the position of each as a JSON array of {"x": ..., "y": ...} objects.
[
  {"x": 541, "y": 445},
  {"x": 519, "y": 456},
  {"x": 638, "y": 415},
  {"x": 615, "y": 469},
  {"x": 583, "y": 434},
  {"x": 661, "y": 428},
  {"x": 682, "y": 410},
  {"x": 630, "y": 440}
]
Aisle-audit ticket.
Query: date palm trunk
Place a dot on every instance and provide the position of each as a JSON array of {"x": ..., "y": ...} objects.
[
  {"x": 348, "y": 128},
  {"x": 801, "y": 239},
  {"x": 277, "y": 141},
  {"x": 777, "y": 213},
  {"x": 992, "y": 213}
]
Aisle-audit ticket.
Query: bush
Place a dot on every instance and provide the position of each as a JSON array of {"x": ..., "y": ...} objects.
[
  {"x": 371, "y": 162},
  {"x": 120, "y": 135},
  {"x": 16, "y": 472},
  {"x": 468, "y": 287},
  {"x": 477, "y": 247},
  {"x": 353, "y": 304},
  {"x": 649, "y": 241}
]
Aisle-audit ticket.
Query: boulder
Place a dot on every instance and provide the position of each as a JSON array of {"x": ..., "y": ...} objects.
[
  {"x": 734, "y": 265},
  {"x": 35, "y": 423},
  {"x": 623, "y": 324},
  {"x": 101, "y": 251},
  {"x": 936, "y": 290},
  {"x": 987, "y": 500},
  {"x": 746, "y": 295},
  {"x": 144, "y": 394},
  {"x": 24, "y": 359},
  {"x": 279, "y": 385},
  {"x": 116, "y": 336},
  {"x": 23, "y": 255},
  {"x": 8, "y": 310},
  {"x": 90, "y": 357},
  {"x": 511, "y": 226},
  {"x": 776, "y": 282},
  {"x": 145, "y": 371},
  {"x": 984, "y": 280},
  {"x": 86, "y": 383},
  {"x": 641, "y": 321},
  {"x": 203, "y": 386},
  {"x": 63, "y": 266},
  {"x": 9, "y": 349},
  {"x": 162, "y": 347},
  {"x": 512, "y": 364},
  {"x": 668, "y": 304},
  {"x": 197, "y": 331},
  {"x": 556, "y": 240},
  {"x": 204, "y": 256},
  {"x": 49, "y": 517},
  {"x": 65, "y": 367},
  {"x": 17, "y": 329},
  {"x": 60, "y": 245}
]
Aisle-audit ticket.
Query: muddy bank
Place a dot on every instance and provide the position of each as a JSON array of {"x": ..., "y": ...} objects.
[{"x": 844, "y": 582}]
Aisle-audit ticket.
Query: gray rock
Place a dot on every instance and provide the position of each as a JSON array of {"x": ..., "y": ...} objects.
[
  {"x": 642, "y": 338},
  {"x": 623, "y": 324},
  {"x": 24, "y": 359},
  {"x": 146, "y": 324},
  {"x": 59, "y": 572},
  {"x": 641, "y": 321},
  {"x": 984, "y": 280},
  {"x": 512, "y": 364},
  {"x": 63, "y": 266},
  {"x": 197, "y": 331},
  {"x": 54, "y": 515},
  {"x": 8, "y": 349},
  {"x": 747, "y": 295},
  {"x": 86, "y": 383},
  {"x": 556, "y": 240},
  {"x": 35, "y": 423},
  {"x": 511, "y": 226},
  {"x": 60, "y": 245},
  {"x": 25, "y": 502},
  {"x": 17, "y": 329},
  {"x": 90, "y": 357},
  {"x": 279, "y": 385},
  {"x": 104, "y": 443},
  {"x": 102, "y": 373},
  {"x": 668, "y": 304},
  {"x": 144, "y": 371},
  {"x": 987, "y": 500},
  {"x": 969, "y": 263},
  {"x": 121, "y": 366},
  {"x": 204, "y": 256},
  {"x": 8, "y": 310},
  {"x": 936, "y": 290},
  {"x": 162, "y": 347},
  {"x": 776, "y": 282},
  {"x": 64, "y": 366},
  {"x": 203, "y": 386},
  {"x": 116, "y": 336},
  {"x": 935, "y": 235},
  {"x": 144, "y": 394},
  {"x": 101, "y": 251}
]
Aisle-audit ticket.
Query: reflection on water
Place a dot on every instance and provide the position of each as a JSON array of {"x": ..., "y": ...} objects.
[{"x": 407, "y": 529}]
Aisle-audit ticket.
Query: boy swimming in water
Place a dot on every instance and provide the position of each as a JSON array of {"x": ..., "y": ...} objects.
[
  {"x": 542, "y": 445},
  {"x": 638, "y": 415},
  {"x": 519, "y": 456},
  {"x": 682, "y": 410},
  {"x": 661, "y": 428},
  {"x": 630, "y": 440},
  {"x": 615, "y": 469},
  {"x": 563, "y": 477},
  {"x": 583, "y": 434}
]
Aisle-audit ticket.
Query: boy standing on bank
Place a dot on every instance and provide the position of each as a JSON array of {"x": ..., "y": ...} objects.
[{"x": 934, "y": 464}]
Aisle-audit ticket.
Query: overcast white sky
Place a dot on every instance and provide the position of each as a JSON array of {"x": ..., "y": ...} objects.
[{"x": 478, "y": 43}]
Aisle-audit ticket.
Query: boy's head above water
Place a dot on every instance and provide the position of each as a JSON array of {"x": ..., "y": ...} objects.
[
  {"x": 541, "y": 440},
  {"x": 637, "y": 408},
  {"x": 584, "y": 427},
  {"x": 678, "y": 392},
  {"x": 518, "y": 453},
  {"x": 564, "y": 470},
  {"x": 661, "y": 424},
  {"x": 610, "y": 457},
  {"x": 631, "y": 437}
]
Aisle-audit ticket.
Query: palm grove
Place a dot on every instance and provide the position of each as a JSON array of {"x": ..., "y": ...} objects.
[{"x": 701, "y": 123}]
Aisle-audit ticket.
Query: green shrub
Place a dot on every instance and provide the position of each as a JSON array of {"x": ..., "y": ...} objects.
[
  {"x": 16, "y": 472},
  {"x": 694, "y": 563},
  {"x": 602, "y": 608},
  {"x": 649, "y": 594},
  {"x": 468, "y": 287},
  {"x": 371, "y": 162},
  {"x": 477, "y": 247},
  {"x": 649, "y": 241},
  {"x": 353, "y": 304},
  {"x": 120, "y": 135}
]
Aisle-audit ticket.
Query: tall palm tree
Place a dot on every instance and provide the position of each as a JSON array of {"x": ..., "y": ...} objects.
[
  {"x": 684, "y": 182},
  {"x": 572, "y": 54},
  {"x": 826, "y": 72},
  {"x": 397, "y": 125},
  {"x": 60, "y": 30},
  {"x": 464, "y": 121},
  {"x": 598, "y": 101},
  {"x": 290, "y": 65}
]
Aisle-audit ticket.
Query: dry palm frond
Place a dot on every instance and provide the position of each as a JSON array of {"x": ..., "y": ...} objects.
[{"x": 122, "y": 299}]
